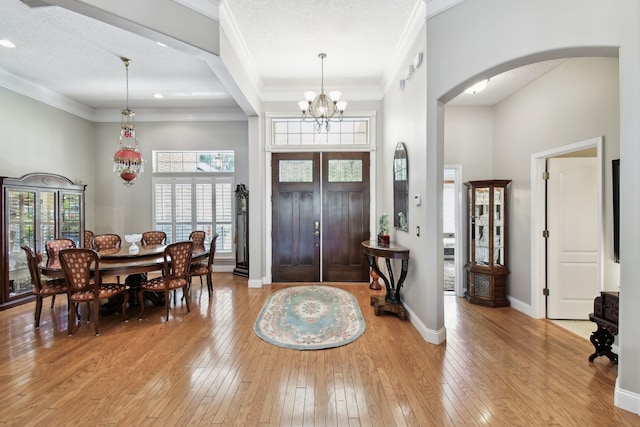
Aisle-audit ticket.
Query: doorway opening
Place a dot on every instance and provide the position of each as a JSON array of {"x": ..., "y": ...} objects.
[
  {"x": 452, "y": 236},
  {"x": 540, "y": 259}
]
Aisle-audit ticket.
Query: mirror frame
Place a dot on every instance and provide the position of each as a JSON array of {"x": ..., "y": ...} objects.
[{"x": 401, "y": 188}]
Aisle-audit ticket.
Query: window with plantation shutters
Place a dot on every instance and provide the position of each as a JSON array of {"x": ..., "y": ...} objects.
[{"x": 184, "y": 204}]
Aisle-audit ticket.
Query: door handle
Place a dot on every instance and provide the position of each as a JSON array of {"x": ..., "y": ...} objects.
[{"x": 316, "y": 228}]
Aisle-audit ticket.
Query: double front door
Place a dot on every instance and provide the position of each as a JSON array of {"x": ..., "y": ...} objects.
[{"x": 320, "y": 216}]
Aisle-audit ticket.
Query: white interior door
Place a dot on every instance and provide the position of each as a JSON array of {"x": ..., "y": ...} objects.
[{"x": 572, "y": 246}]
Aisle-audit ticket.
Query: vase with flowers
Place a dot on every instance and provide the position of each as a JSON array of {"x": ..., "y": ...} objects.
[{"x": 383, "y": 230}]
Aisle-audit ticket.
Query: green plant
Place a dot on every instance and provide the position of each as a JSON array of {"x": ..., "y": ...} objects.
[{"x": 383, "y": 224}]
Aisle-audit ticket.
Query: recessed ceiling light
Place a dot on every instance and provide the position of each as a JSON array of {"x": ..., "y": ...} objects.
[
  {"x": 158, "y": 95},
  {"x": 478, "y": 87},
  {"x": 7, "y": 43},
  {"x": 161, "y": 44}
]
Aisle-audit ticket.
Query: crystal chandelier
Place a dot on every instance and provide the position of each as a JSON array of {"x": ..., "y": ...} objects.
[
  {"x": 128, "y": 161},
  {"x": 322, "y": 108}
]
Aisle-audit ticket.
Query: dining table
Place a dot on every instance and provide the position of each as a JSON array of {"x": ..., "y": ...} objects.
[{"x": 132, "y": 263}]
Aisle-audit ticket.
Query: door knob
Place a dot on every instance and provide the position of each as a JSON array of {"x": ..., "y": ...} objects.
[{"x": 316, "y": 228}]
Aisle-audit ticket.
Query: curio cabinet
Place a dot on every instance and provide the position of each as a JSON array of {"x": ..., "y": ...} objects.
[{"x": 487, "y": 243}]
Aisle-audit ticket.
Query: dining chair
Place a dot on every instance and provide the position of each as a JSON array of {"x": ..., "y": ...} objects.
[
  {"x": 42, "y": 288},
  {"x": 82, "y": 272},
  {"x": 205, "y": 267},
  {"x": 197, "y": 237},
  {"x": 53, "y": 248},
  {"x": 154, "y": 238},
  {"x": 106, "y": 241},
  {"x": 177, "y": 260},
  {"x": 88, "y": 239}
]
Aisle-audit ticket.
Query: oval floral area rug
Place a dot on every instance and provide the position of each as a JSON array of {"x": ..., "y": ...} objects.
[{"x": 310, "y": 318}]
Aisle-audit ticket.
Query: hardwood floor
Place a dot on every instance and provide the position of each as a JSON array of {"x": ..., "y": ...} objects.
[{"x": 498, "y": 367}]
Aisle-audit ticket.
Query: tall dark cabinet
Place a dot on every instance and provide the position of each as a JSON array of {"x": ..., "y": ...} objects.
[
  {"x": 34, "y": 209},
  {"x": 487, "y": 242},
  {"x": 242, "y": 231}
]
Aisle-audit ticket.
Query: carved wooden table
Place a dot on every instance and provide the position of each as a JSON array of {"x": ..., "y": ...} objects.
[
  {"x": 391, "y": 301},
  {"x": 605, "y": 315}
]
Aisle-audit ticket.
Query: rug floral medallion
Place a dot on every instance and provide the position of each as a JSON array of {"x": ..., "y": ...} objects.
[{"x": 310, "y": 318}]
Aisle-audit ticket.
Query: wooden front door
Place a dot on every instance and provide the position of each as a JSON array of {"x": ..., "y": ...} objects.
[
  {"x": 318, "y": 230},
  {"x": 345, "y": 213}
]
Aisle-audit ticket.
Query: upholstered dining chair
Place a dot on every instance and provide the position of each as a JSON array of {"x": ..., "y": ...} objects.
[
  {"x": 42, "y": 288},
  {"x": 205, "y": 267},
  {"x": 106, "y": 241},
  {"x": 53, "y": 248},
  {"x": 197, "y": 237},
  {"x": 82, "y": 272},
  {"x": 154, "y": 238},
  {"x": 88, "y": 239},
  {"x": 177, "y": 260}
]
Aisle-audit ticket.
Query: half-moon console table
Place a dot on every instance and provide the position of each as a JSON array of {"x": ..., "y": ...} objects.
[{"x": 391, "y": 301}]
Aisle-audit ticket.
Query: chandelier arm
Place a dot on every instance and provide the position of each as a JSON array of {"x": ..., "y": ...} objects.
[{"x": 322, "y": 108}]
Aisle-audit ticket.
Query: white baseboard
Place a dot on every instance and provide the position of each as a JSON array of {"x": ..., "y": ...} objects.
[
  {"x": 626, "y": 400},
  {"x": 255, "y": 283},
  {"x": 429, "y": 335},
  {"x": 521, "y": 306}
]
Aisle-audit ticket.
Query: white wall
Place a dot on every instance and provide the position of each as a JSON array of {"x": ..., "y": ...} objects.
[
  {"x": 404, "y": 120},
  {"x": 123, "y": 210},
  {"x": 471, "y": 41},
  {"x": 576, "y": 101},
  {"x": 35, "y": 137},
  {"x": 468, "y": 133}
]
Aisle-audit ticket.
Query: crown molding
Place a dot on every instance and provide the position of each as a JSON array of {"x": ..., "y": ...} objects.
[
  {"x": 56, "y": 100},
  {"x": 435, "y": 7},
  {"x": 221, "y": 114},
  {"x": 295, "y": 93},
  {"x": 45, "y": 95},
  {"x": 414, "y": 25},
  {"x": 229, "y": 26},
  {"x": 208, "y": 8}
]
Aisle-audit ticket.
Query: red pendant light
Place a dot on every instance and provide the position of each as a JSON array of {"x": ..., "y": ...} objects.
[{"x": 128, "y": 161}]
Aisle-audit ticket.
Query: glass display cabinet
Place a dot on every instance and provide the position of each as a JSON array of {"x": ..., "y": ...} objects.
[
  {"x": 33, "y": 210},
  {"x": 487, "y": 239},
  {"x": 242, "y": 231}
]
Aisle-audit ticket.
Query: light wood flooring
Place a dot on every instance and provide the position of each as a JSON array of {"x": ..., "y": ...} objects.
[{"x": 498, "y": 368}]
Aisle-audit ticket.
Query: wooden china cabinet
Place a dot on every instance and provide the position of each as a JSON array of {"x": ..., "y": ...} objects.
[
  {"x": 34, "y": 209},
  {"x": 488, "y": 244}
]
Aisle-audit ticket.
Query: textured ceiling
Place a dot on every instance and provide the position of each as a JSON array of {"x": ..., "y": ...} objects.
[
  {"x": 504, "y": 85},
  {"x": 79, "y": 57},
  {"x": 358, "y": 36},
  {"x": 68, "y": 54}
]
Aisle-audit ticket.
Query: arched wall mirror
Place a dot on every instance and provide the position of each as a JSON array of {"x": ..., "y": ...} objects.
[{"x": 400, "y": 188}]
